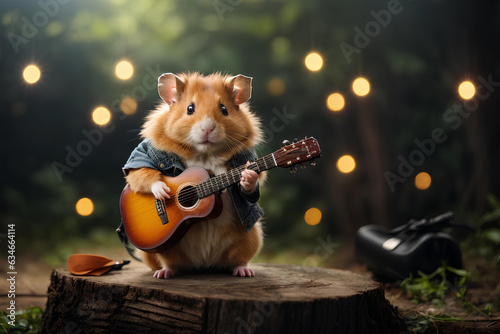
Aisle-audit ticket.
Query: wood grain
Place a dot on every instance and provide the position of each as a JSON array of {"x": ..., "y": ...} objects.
[{"x": 280, "y": 299}]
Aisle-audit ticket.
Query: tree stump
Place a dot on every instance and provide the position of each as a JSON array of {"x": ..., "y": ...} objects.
[{"x": 279, "y": 299}]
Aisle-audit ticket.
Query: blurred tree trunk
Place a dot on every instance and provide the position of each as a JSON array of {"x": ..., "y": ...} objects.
[
  {"x": 360, "y": 197},
  {"x": 480, "y": 19},
  {"x": 375, "y": 161}
]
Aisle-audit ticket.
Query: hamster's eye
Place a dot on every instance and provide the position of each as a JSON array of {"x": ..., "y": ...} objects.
[
  {"x": 190, "y": 109},
  {"x": 223, "y": 109}
]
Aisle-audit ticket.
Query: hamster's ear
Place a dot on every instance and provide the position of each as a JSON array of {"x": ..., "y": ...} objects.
[
  {"x": 242, "y": 88},
  {"x": 170, "y": 87}
]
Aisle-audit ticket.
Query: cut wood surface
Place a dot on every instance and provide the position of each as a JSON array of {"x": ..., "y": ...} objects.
[{"x": 280, "y": 299}]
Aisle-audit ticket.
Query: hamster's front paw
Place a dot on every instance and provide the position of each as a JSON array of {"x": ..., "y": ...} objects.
[
  {"x": 248, "y": 180},
  {"x": 164, "y": 273},
  {"x": 243, "y": 271},
  {"x": 160, "y": 190}
]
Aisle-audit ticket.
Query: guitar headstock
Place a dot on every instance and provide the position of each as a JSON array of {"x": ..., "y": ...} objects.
[{"x": 298, "y": 152}]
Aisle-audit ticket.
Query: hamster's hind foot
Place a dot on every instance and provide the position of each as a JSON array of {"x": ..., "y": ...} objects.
[
  {"x": 243, "y": 271},
  {"x": 164, "y": 273}
]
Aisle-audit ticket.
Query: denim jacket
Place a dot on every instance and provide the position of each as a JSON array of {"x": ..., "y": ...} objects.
[{"x": 146, "y": 155}]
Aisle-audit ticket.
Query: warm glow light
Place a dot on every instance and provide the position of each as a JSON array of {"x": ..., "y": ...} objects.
[
  {"x": 335, "y": 102},
  {"x": 84, "y": 207},
  {"x": 314, "y": 62},
  {"x": 313, "y": 216},
  {"x": 124, "y": 70},
  {"x": 128, "y": 105},
  {"x": 346, "y": 164},
  {"x": 466, "y": 90},
  {"x": 101, "y": 116},
  {"x": 31, "y": 74},
  {"x": 361, "y": 86},
  {"x": 422, "y": 181},
  {"x": 276, "y": 86}
]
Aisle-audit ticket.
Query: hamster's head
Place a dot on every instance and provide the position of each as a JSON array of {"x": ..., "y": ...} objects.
[{"x": 203, "y": 115}]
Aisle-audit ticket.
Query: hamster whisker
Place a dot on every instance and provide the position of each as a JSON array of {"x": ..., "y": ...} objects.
[
  {"x": 232, "y": 144},
  {"x": 235, "y": 144},
  {"x": 231, "y": 148},
  {"x": 230, "y": 135}
]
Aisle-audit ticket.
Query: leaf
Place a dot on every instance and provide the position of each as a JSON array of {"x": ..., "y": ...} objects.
[
  {"x": 487, "y": 310},
  {"x": 491, "y": 216},
  {"x": 493, "y": 201},
  {"x": 493, "y": 234},
  {"x": 459, "y": 272}
]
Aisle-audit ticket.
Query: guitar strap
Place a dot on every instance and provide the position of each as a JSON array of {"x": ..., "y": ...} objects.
[{"x": 126, "y": 243}]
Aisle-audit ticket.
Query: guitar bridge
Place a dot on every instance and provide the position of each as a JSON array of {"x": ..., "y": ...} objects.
[{"x": 161, "y": 211}]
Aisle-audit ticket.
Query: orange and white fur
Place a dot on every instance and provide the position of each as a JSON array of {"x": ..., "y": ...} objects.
[{"x": 204, "y": 120}]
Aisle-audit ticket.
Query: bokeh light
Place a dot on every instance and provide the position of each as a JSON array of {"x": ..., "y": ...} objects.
[
  {"x": 31, "y": 74},
  {"x": 314, "y": 62},
  {"x": 361, "y": 86},
  {"x": 276, "y": 86},
  {"x": 84, "y": 206},
  {"x": 466, "y": 90},
  {"x": 346, "y": 164},
  {"x": 335, "y": 102},
  {"x": 423, "y": 181},
  {"x": 124, "y": 70},
  {"x": 101, "y": 116},
  {"x": 128, "y": 105},
  {"x": 312, "y": 216}
]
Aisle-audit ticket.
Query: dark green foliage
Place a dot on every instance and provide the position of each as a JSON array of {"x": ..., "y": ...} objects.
[
  {"x": 26, "y": 321},
  {"x": 488, "y": 245},
  {"x": 433, "y": 287}
]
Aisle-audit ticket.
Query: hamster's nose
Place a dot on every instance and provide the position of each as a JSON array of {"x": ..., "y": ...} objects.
[{"x": 207, "y": 130}]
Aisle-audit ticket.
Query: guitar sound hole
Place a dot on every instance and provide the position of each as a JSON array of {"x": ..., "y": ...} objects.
[{"x": 187, "y": 197}]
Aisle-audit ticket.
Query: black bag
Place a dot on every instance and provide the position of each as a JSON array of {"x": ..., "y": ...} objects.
[{"x": 419, "y": 245}]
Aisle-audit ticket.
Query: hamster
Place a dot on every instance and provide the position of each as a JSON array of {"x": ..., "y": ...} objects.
[{"x": 204, "y": 120}]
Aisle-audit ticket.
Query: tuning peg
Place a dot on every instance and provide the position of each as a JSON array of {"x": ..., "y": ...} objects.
[
  {"x": 295, "y": 140},
  {"x": 286, "y": 142},
  {"x": 313, "y": 163},
  {"x": 302, "y": 166},
  {"x": 293, "y": 169}
]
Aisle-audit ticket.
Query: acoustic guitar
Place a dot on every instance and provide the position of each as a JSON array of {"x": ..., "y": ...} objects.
[{"x": 154, "y": 225}]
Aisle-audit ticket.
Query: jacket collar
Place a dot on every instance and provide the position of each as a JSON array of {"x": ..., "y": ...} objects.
[{"x": 166, "y": 160}]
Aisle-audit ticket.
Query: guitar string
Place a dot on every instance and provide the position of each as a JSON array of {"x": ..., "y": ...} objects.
[
  {"x": 234, "y": 174},
  {"x": 211, "y": 185}
]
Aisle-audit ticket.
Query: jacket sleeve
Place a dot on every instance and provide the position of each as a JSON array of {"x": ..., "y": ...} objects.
[
  {"x": 253, "y": 196},
  {"x": 246, "y": 203},
  {"x": 241, "y": 159},
  {"x": 139, "y": 159}
]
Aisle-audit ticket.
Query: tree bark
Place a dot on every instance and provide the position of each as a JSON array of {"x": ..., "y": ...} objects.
[{"x": 280, "y": 299}]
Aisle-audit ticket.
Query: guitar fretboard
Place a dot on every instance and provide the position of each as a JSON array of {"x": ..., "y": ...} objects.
[{"x": 222, "y": 181}]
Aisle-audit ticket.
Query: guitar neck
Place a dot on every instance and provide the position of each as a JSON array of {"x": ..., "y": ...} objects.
[{"x": 222, "y": 181}]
